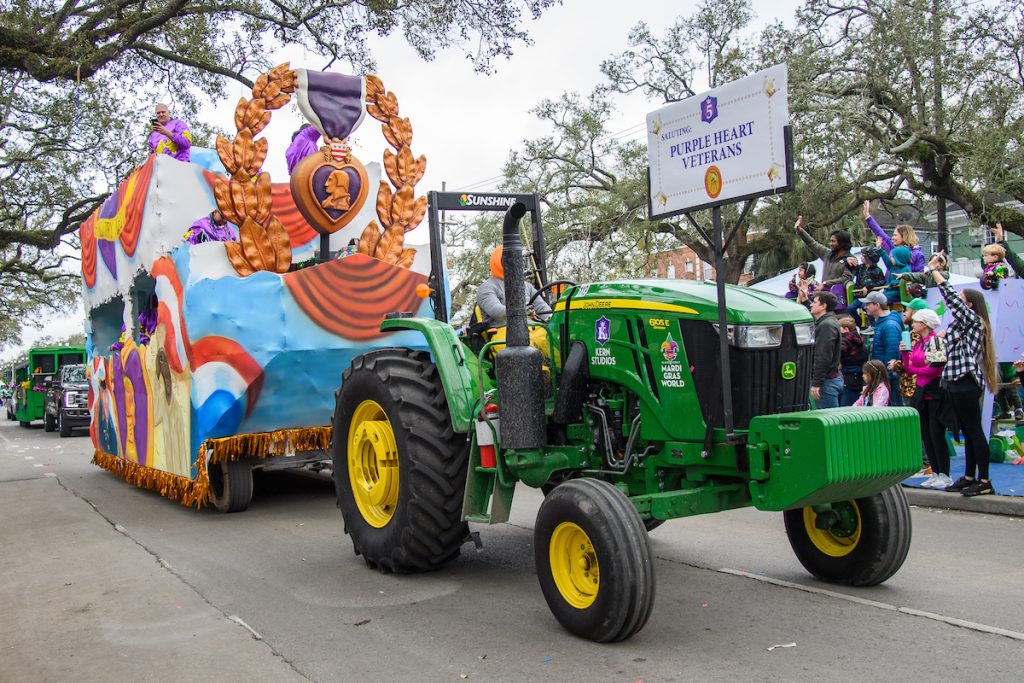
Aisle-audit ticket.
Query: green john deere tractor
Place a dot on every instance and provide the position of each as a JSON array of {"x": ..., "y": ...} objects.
[{"x": 623, "y": 424}]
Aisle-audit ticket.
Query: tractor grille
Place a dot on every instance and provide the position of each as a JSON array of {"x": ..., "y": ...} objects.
[{"x": 757, "y": 384}]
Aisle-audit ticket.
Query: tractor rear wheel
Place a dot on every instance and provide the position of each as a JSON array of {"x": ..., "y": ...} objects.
[
  {"x": 864, "y": 543},
  {"x": 230, "y": 485},
  {"x": 594, "y": 561},
  {"x": 399, "y": 467}
]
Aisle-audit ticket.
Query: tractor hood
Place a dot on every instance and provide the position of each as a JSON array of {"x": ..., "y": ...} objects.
[{"x": 697, "y": 299}]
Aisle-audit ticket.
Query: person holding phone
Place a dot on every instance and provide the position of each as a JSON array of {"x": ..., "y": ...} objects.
[
  {"x": 970, "y": 367},
  {"x": 169, "y": 136}
]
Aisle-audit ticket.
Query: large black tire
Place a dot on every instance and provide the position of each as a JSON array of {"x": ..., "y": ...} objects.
[
  {"x": 650, "y": 523},
  {"x": 412, "y": 521},
  {"x": 49, "y": 424},
  {"x": 874, "y": 551},
  {"x": 62, "y": 426},
  {"x": 230, "y": 485},
  {"x": 594, "y": 561}
]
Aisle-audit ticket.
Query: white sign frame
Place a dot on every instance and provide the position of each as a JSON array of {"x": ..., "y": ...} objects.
[{"x": 723, "y": 146}]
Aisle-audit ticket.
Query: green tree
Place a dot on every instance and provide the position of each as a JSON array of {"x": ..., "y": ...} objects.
[
  {"x": 78, "y": 80},
  {"x": 69, "y": 41},
  {"x": 912, "y": 99},
  {"x": 901, "y": 101},
  {"x": 594, "y": 184}
]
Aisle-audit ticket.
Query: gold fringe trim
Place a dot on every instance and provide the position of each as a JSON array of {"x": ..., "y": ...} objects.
[
  {"x": 265, "y": 444},
  {"x": 184, "y": 490}
]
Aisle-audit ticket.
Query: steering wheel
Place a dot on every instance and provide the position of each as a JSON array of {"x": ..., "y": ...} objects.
[{"x": 547, "y": 288}]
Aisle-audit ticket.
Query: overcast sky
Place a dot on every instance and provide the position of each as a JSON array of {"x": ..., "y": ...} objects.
[{"x": 466, "y": 123}]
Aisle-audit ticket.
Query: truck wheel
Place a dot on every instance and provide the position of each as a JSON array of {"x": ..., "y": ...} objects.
[
  {"x": 24, "y": 423},
  {"x": 594, "y": 561},
  {"x": 866, "y": 544},
  {"x": 400, "y": 469},
  {"x": 230, "y": 485},
  {"x": 63, "y": 427},
  {"x": 48, "y": 422}
]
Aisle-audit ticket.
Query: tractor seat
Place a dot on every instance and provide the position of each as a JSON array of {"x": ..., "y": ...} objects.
[{"x": 477, "y": 332}]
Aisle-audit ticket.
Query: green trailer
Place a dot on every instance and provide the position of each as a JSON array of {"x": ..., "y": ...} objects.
[
  {"x": 645, "y": 408},
  {"x": 43, "y": 363}
]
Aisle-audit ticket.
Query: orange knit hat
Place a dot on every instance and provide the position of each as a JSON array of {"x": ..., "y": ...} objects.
[{"x": 496, "y": 268}]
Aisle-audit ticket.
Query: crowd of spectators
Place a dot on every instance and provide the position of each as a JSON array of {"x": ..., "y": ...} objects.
[{"x": 874, "y": 356}]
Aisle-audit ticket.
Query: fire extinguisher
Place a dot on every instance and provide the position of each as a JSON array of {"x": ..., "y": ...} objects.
[{"x": 484, "y": 435}]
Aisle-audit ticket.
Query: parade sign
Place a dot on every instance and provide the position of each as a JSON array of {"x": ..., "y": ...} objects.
[{"x": 725, "y": 145}]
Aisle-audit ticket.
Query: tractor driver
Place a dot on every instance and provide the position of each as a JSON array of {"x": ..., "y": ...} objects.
[{"x": 490, "y": 299}]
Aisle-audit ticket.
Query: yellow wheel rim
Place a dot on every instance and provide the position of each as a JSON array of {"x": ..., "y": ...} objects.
[
  {"x": 373, "y": 464},
  {"x": 835, "y": 542},
  {"x": 574, "y": 565}
]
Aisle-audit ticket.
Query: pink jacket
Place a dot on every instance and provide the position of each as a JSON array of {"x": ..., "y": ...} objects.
[
  {"x": 879, "y": 399},
  {"x": 914, "y": 363}
]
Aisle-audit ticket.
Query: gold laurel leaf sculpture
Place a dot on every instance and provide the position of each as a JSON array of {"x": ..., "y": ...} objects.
[
  {"x": 398, "y": 210},
  {"x": 245, "y": 199}
]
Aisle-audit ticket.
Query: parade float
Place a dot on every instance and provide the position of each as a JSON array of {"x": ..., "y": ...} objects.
[
  {"x": 241, "y": 344},
  {"x": 32, "y": 378}
]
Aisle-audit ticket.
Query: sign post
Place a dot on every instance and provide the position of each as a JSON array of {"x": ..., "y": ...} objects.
[{"x": 730, "y": 144}]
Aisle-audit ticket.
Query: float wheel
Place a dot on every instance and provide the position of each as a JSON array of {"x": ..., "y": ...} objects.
[{"x": 230, "y": 485}]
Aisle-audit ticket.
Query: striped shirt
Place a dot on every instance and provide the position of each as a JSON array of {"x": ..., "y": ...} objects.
[{"x": 964, "y": 340}]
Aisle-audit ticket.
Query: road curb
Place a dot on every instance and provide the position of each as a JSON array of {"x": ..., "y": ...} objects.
[{"x": 990, "y": 505}]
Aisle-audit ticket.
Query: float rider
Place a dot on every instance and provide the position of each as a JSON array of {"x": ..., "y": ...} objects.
[{"x": 170, "y": 136}]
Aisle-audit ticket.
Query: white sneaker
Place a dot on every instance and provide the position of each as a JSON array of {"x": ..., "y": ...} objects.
[{"x": 937, "y": 481}]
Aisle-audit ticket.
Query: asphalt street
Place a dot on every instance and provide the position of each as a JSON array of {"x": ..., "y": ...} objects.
[{"x": 91, "y": 569}]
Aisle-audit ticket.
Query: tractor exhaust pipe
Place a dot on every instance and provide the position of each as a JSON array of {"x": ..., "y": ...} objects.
[{"x": 518, "y": 365}]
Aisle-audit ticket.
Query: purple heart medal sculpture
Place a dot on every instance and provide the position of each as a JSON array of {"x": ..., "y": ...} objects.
[{"x": 330, "y": 187}]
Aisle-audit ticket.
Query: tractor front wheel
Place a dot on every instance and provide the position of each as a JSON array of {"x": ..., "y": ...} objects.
[
  {"x": 594, "y": 561},
  {"x": 650, "y": 523},
  {"x": 858, "y": 542},
  {"x": 399, "y": 467}
]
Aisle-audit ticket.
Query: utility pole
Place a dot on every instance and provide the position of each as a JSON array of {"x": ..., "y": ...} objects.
[{"x": 939, "y": 119}]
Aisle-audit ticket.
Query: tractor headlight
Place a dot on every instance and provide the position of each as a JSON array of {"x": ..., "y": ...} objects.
[
  {"x": 755, "y": 336},
  {"x": 804, "y": 333}
]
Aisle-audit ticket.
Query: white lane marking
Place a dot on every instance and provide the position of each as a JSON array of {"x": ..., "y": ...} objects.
[
  {"x": 38, "y": 464},
  {"x": 953, "y": 621},
  {"x": 49, "y": 474},
  {"x": 238, "y": 620},
  {"x": 29, "y": 457}
]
